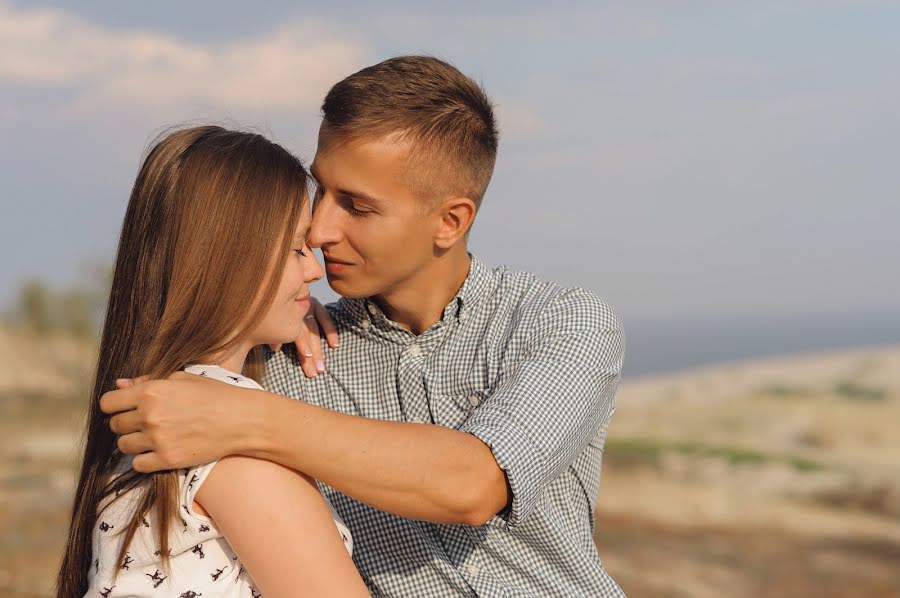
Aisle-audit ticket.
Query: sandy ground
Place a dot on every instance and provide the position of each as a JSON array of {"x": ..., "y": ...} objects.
[
  {"x": 767, "y": 478},
  {"x": 774, "y": 477}
]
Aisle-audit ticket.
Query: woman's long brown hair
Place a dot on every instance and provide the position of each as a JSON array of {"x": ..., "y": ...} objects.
[{"x": 197, "y": 267}]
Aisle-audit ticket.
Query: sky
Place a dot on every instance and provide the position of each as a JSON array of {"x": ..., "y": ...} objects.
[{"x": 682, "y": 159}]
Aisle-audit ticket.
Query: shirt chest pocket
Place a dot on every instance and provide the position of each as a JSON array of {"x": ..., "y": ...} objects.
[{"x": 453, "y": 408}]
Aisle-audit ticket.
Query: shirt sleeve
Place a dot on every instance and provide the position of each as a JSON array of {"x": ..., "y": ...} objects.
[
  {"x": 191, "y": 481},
  {"x": 558, "y": 397}
]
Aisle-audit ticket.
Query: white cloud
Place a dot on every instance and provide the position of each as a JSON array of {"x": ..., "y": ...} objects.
[{"x": 289, "y": 68}]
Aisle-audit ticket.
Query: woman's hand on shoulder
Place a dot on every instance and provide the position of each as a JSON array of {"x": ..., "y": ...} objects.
[{"x": 309, "y": 343}]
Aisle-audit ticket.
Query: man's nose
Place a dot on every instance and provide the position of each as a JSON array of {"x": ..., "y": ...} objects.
[{"x": 324, "y": 229}]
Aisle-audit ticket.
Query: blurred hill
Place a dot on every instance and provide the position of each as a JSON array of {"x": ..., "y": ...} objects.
[
  {"x": 773, "y": 477},
  {"x": 44, "y": 385}
]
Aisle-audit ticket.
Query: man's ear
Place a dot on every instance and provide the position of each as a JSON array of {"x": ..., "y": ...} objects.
[{"x": 456, "y": 216}]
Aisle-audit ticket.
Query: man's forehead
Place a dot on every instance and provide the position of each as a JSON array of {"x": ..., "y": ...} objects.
[{"x": 333, "y": 142}]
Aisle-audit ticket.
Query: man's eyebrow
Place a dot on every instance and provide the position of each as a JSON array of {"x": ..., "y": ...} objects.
[
  {"x": 360, "y": 195},
  {"x": 344, "y": 191}
]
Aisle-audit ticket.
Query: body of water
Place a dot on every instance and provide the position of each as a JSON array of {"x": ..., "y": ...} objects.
[{"x": 663, "y": 345}]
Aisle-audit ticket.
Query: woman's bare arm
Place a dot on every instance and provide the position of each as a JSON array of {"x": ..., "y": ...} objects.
[{"x": 279, "y": 526}]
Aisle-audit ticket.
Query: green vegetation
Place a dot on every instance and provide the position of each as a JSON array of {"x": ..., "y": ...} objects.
[
  {"x": 857, "y": 392},
  {"x": 76, "y": 310},
  {"x": 644, "y": 450},
  {"x": 784, "y": 391}
]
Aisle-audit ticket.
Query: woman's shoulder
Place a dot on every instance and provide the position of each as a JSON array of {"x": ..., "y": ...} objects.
[{"x": 222, "y": 375}]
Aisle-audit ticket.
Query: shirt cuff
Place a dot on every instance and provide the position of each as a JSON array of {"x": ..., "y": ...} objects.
[{"x": 521, "y": 464}]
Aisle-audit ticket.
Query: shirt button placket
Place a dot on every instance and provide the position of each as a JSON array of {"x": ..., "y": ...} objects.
[{"x": 412, "y": 385}]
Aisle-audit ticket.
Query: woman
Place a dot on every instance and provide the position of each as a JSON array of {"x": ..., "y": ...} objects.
[{"x": 211, "y": 264}]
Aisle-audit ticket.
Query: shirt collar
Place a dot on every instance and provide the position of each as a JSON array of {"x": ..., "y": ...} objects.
[{"x": 478, "y": 283}]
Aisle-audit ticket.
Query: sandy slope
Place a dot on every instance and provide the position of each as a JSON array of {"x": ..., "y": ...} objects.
[
  {"x": 775, "y": 477},
  {"x": 738, "y": 468}
]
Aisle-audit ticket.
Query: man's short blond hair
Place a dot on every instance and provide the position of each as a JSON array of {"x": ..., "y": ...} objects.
[{"x": 446, "y": 117}]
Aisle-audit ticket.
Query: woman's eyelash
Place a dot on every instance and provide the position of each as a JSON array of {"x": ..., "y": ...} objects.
[{"x": 300, "y": 252}]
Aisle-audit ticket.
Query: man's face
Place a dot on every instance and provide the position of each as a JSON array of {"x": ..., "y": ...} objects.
[{"x": 369, "y": 223}]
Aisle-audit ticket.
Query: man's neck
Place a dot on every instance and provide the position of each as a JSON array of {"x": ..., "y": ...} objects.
[{"x": 419, "y": 303}]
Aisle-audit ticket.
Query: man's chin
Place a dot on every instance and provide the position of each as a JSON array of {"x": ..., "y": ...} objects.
[{"x": 345, "y": 288}]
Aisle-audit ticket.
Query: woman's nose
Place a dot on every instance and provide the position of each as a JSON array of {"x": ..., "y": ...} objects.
[{"x": 312, "y": 268}]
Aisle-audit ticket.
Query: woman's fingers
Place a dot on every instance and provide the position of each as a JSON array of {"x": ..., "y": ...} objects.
[
  {"x": 326, "y": 323},
  {"x": 305, "y": 354},
  {"x": 315, "y": 342},
  {"x": 309, "y": 346}
]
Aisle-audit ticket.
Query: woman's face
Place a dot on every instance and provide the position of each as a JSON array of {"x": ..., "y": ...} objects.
[{"x": 284, "y": 320}]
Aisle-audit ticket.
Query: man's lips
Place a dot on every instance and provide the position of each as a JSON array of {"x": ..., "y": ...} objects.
[
  {"x": 331, "y": 260},
  {"x": 333, "y": 266}
]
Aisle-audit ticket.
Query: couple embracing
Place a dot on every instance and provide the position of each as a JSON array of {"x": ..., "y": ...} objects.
[{"x": 445, "y": 439}]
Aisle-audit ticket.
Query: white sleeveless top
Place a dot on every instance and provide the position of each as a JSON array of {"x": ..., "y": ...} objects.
[{"x": 201, "y": 562}]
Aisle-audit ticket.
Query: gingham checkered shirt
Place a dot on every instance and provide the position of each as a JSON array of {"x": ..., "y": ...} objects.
[{"x": 528, "y": 367}]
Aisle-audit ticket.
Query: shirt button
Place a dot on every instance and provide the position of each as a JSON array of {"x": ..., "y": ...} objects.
[
  {"x": 474, "y": 400},
  {"x": 414, "y": 350},
  {"x": 472, "y": 569},
  {"x": 364, "y": 324},
  {"x": 372, "y": 309}
]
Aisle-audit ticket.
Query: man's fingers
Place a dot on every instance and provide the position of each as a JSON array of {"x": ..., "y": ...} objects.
[
  {"x": 129, "y": 382},
  {"x": 125, "y": 422},
  {"x": 325, "y": 323},
  {"x": 133, "y": 444},
  {"x": 115, "y": 401},
  {"x": 147, "y": 463},
  {"x": 276, "y": 347}
]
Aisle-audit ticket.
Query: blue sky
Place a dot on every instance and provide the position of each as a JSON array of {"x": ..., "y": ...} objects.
[{"x": 679, "y": 158}]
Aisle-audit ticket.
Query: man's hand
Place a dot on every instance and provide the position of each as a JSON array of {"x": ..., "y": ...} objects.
[
  {"x": 309, "y": 344},
  {"x": 183, "y": 421}
]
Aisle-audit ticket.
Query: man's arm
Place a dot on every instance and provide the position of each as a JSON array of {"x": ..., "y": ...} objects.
[
  {"x": 546, "y": 410},
  {"x": 418, "y": 471},
  {"x": 555, "y": 401}
]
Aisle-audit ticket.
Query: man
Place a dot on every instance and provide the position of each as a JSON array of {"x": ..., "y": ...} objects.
[{"x": 459, "y": 427}]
